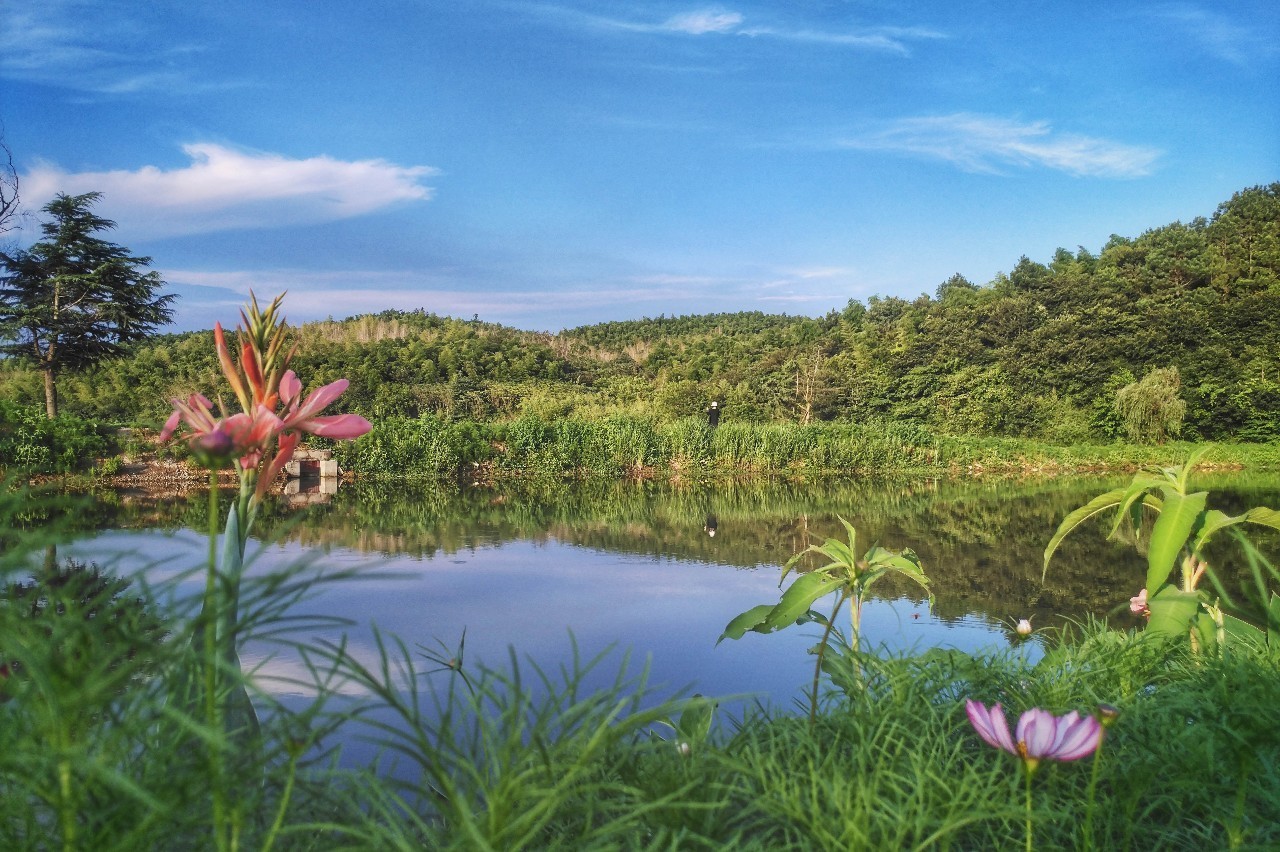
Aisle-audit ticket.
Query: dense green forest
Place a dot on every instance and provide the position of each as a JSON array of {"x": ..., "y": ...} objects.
[{"x": 1040, "y": 352}]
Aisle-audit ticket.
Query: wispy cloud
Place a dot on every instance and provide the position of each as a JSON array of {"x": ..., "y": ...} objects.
[
  {"x": 1217, "y": 34},
  {"x": 705, "y": 21},
  {"x": 224, "y": 189},
  {"x": 719, "y": 21},
  {"x": 982, "y": 143},
  {"x": 89, "y": 46},
  {"x": 314, "y": 295}
]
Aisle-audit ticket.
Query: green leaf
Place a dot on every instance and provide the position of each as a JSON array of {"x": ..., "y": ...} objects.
[
  {"x": 1239, "y": 630},
  {"x": 798, "y": 597},
  {"x": 1188, "y": 466},
  {"x": 1170, "y": 533},
  {"x": 695, "y": 721},
  {"x": 1216, "y": 521},
  {"x": 1172, "y": 611},
  {"x": 1098, "y": 504},
  {"x": 1207, "y": 631},
  {"x": 1135, "y": 497},
  {"x": 748, "y": 620}
]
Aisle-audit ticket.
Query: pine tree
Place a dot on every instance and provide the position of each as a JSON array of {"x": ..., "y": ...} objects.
[{"x": 74, "y": 299}]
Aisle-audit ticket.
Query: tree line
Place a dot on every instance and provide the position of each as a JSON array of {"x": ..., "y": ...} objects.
[{"x": 1173, "y": 332}]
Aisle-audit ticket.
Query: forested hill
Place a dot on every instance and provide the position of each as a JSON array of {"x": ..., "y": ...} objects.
[{"x": 1040, "y": 351}]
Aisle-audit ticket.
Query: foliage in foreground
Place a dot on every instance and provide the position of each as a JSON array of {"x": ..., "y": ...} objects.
[
  {"x": 100, "y": 747},
  {"x": 494, "y": 760}
]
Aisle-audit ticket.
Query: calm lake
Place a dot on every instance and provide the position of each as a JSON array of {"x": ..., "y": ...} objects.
[{"x": 657, "y": 573}]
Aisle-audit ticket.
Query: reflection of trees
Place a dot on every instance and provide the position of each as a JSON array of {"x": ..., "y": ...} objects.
[
  {"x": 981, "y": 541},
  {"x": 80, "y": 629}
]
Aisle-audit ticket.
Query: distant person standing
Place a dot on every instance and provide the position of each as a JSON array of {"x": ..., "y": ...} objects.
[{"x": 713, "y": 415}]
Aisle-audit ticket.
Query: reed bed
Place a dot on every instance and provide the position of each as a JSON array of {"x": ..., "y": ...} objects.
[{"x": 688, "y": 449}]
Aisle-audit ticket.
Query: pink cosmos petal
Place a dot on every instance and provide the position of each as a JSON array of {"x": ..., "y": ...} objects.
[
  {"x": 340, "y": 426},
  {"x": 1079, "y": 736},
  {"x": 991, "y": 725},
  {"x": 1036, "y": 731}
]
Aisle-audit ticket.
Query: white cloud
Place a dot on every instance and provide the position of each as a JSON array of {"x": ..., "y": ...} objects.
[
  {"x": 722, "y": 21},
  {"x": 708, "y": 21},
  {"x": 209, "y": 295},
  {"x": 1218, "y": 35},
  {"x": 89, "y": 46},
  {"x": 980, "y": 143},
  {"x": 224, "y": 189}
]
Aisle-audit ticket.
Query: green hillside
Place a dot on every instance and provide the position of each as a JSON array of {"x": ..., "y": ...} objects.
[{"x": 1038, "y": 352}]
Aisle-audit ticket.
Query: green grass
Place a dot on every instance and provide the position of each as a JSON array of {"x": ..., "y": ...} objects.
[
  {"x": 103, "y": 747},
  {"x": 622, "y": 445}
]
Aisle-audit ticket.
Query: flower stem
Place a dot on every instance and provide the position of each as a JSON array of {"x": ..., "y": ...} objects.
[
  {"x": 817, "y": 667},
  {"x": 209, "y": 628},
  {"x": 1028, "y": 774},
  {"x": 1087, "y": 839}
]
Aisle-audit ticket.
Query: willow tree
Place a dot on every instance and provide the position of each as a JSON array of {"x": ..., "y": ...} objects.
[
  {"x": 74, "y": 299},
  {"x": 1151, "y": 409}
]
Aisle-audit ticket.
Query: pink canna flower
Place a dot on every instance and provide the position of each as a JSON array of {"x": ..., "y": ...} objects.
[
  {"x": 216, "y": 441},
  {"x": 1138, "y": 604},
  {"x": 1040, "y": 735},
  {"x": 302, "y": 414}
]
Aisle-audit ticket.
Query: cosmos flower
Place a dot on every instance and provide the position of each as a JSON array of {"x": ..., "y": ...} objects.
[{"x": 1040, "y": 734}]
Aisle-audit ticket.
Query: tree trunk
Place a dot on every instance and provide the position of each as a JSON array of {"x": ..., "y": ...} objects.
[{"x": 50, "y": 395}]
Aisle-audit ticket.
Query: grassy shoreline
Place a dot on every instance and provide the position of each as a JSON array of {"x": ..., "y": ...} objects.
[{"x": 103, "y": 744}]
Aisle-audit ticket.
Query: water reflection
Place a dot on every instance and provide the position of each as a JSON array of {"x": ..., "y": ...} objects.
[{"x": 660, "y": 572}]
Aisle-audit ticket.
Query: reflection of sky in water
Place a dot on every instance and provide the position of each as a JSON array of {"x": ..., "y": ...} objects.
[{"x": 532, "y": 594}]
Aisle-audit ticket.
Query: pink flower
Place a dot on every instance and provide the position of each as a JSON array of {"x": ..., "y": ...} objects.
[
  {"x": 1138, "y": 604},
  {"x": 301, "y": 414},
  {"x": 216, "y": 441},
  {"x": 1040, "y": 734}
]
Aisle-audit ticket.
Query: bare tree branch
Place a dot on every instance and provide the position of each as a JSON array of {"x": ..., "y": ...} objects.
[{"x": 8, "y": 189}]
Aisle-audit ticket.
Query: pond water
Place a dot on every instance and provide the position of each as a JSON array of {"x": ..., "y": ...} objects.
[{"x": 656, "y": 573}]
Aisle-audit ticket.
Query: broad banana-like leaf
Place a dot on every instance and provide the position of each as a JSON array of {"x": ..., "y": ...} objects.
[
  {"x": 1095, "y": 506},
  {"x": 1138, "y": 494},
  {"x": 1171, "y": 532},
  {"x": 1216, "y": 521},
  {"x": 1238, "y": 630},
  {"x": 1211, "y": 637},
  {"x": 1183, "y": 472},
  {"x": 1172, "y": 612},
  {"x": 749, "y": 620},
  {"x": 798, "y": 597}
]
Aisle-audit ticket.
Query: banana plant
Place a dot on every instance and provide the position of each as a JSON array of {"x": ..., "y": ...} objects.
[
  {"x": 845, "y": 575},
  {"x": 1183, "y": 527}
]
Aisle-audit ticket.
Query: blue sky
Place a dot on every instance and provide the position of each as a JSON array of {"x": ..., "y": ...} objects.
[{"x": 553, "y": 164}]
